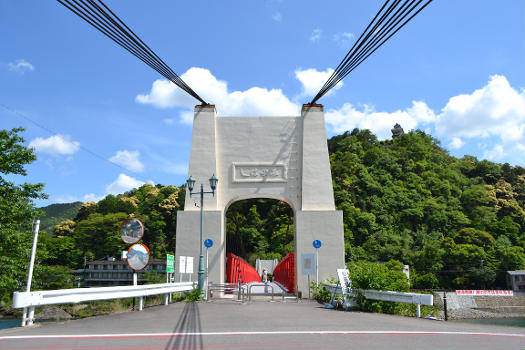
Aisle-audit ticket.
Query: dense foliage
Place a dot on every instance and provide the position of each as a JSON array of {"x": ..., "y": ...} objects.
[
  {"x": 456, "y": 222},
  {"x": 259, "y": 228}
]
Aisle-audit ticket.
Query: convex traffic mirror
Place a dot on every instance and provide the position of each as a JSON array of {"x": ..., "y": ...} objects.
[
  {"x": 131, "y": 230},
  {"x": 138, "y": 256}
]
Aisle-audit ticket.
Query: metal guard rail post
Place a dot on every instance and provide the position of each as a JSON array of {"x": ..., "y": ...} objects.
[
  {"x": 259, "y": 285},
  {"x": 78, "y": 295},
  {"x": 222, "y": 287},
  {"x": 399, "y": 297}
]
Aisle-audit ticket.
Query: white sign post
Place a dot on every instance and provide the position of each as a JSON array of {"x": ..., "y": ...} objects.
[
  {"x": 182, "y": 267},
  {"x": 317, "y": 244},
  {"x": 189, "y": 266}
]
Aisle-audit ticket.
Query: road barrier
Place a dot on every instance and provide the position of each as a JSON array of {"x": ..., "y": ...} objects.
[
  {"x": 79, "y": 295},
  {"x": 398, "y": 297}
]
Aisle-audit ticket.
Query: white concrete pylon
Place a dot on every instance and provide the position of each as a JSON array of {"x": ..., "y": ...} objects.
[{"x": 284, "y": 158}]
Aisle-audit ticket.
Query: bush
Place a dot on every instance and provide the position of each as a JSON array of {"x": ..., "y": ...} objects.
[
  {"x": 320, "y": 293},
  {"x": 370, "y": 275},
  {"x": 194, "y": 295}
]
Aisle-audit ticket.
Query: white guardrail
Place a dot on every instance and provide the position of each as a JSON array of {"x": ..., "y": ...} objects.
[
  {"x": 399, "y": 297},
  {"x": 79, "y": 295}
]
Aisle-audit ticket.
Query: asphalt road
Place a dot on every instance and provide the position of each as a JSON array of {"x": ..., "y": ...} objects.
[{"x": 258, "y": 325}]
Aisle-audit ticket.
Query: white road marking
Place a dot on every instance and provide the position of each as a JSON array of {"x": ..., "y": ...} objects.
[{"x": 145, "y": 335}]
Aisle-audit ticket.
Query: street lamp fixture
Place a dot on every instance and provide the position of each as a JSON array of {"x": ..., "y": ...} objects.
[{"x": 191, "y": 184}]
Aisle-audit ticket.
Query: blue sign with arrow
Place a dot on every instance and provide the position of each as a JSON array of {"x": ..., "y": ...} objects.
[
  {"x": 208, "y": 243},
  {"x": 317, "y": 244}
]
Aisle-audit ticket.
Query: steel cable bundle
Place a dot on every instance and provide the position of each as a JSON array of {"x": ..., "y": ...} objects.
[
  {"x": 387, "y": 22},
  {"x": 97, "y": 14}
]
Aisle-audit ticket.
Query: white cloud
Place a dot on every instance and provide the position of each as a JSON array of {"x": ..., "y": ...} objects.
[
  {"x": 277, "y": 16},
  {"x": 55, "y": 145},
  {"x": 380, "y": 123},
  {"x": 169, "y": 121},
  {"x": 186, "y": 117},
  {"x": 316, "y": 35},
  {"x": 456, "y": 143},
  {"x": 312, "y": 81},
  {"x": 129, "y": 160},
  {"x": 343, "y": 39},
  {"x": 497, "y": 109},
  {"x": 90, "y": 197},
  {"x": 254, "y": 101},
  {"x": 422, "y": 112},
  {"x": 495, "y": 153},
  {"x": 123, "y": 184},
  {"x": 20, "y": 66}
]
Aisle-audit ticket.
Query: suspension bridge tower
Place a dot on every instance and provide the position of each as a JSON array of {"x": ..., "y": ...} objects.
[{"x": 284, "y": 158}]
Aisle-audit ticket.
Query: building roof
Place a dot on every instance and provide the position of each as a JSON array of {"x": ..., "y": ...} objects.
[{"x": 517, "y": 272}]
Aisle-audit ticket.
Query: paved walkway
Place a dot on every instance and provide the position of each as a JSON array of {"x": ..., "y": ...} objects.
[{"x": 258, "y": 325}]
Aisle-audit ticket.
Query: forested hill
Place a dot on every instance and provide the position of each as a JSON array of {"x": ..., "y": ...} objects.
[
  {"x": 457, "y": 222},
  {"x": 56, "y": 213}
]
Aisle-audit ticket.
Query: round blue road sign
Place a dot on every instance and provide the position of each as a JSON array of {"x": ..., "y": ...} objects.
[
  {"x": 208, "y": 243},
  {"x": 317, "y": 244}
]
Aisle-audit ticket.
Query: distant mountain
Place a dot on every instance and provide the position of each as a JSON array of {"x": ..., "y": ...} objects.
[{"x": 56, "y": 213}]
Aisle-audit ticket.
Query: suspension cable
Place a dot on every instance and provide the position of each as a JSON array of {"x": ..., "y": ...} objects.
[
  {"x": 101, "y": 17},
  {"x": 386, "y": 23}
]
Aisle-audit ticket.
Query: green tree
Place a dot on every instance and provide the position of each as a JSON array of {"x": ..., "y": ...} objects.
[{"x": 17, "y": 211}]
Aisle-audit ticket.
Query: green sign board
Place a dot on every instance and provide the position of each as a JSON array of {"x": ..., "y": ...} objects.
[{"x": 170, "y": 263}]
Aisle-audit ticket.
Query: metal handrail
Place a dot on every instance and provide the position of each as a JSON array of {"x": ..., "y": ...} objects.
[
  {"x": 259, "y": 285},
  {"x": 225, "y": 287}
]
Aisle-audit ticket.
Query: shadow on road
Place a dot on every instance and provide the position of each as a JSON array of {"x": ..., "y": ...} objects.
[{"x": 188, "y": 325}]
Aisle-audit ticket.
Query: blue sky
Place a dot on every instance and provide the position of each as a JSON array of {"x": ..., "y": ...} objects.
[{"x": 456, "y": 71}]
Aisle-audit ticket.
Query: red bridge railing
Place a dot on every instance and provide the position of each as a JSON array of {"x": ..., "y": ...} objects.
[
  {"x": 284, "y": 272},
  {"x": 237, "y": 268}
]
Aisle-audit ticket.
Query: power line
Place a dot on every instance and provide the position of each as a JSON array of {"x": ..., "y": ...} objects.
[
  {"x": 52, "y": 132},
  {"x": 385, "y": 24},
  {"x": 100, "y": 16}
]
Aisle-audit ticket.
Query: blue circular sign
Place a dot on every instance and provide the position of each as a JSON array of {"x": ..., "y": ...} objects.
[
  {"x": 317, "y": 244},
  {"x": 208, "y": 243}
]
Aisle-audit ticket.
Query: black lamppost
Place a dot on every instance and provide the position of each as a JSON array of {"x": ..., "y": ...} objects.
[{"x": 213, "y": 185}]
